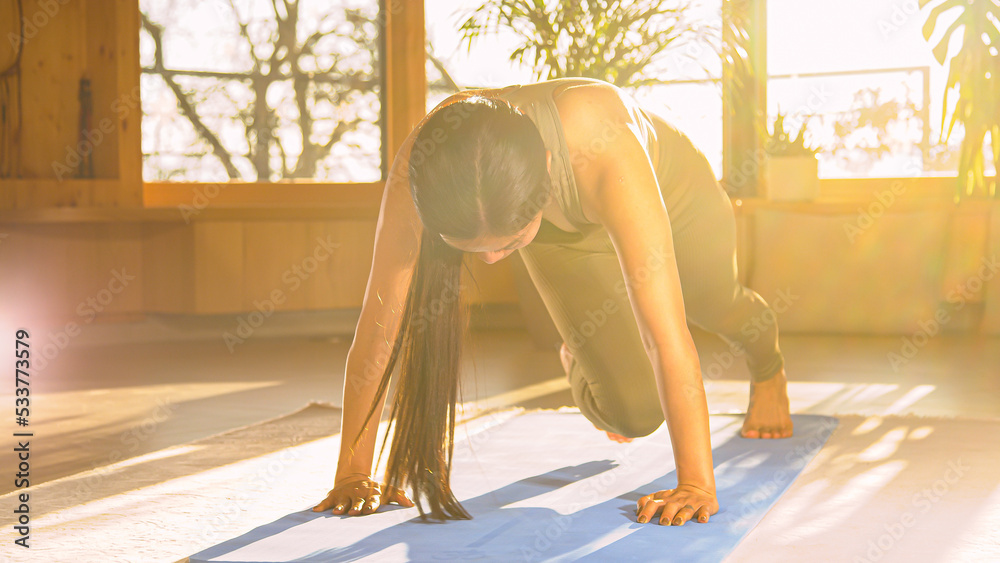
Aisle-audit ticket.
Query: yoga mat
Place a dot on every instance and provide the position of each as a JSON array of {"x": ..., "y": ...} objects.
[{"x": 547, "y": 486}]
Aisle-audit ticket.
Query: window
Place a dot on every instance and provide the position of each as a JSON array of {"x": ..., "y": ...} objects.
[
  {"x": 259, "y": 91},
  {"x": 863, "y": 79}
]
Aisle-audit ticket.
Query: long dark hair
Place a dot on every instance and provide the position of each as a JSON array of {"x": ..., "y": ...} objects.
[{"x": 476, "y": 168}]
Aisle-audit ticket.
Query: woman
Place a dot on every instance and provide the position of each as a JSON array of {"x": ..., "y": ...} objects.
[{"x": 614, "y": 212}]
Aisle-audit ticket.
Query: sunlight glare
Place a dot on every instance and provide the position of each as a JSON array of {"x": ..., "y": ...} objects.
[{"x": 885, "y": 446}]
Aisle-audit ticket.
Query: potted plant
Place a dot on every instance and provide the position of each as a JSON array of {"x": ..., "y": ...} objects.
[
  {"x": 791, "y": 171},
  {"x": 975, "y": 72}
]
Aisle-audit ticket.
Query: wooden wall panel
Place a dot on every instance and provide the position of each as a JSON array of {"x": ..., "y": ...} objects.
[
  {"x": 21, "y": 273},
  {"x": 79, "y": 39},
  {"x": 52, "y": 63},
  {"x": 218, "y": 257},
  {"x": 817, "y": 279},
  {"x": 968, "y": 239},
  {"x": 127, "y": 108},
  {"x": 81, "y": 273},
  {"x": 48, "y": 193},
  {"x": 272, "y": 249},
  {"x": 168, "y": 264},
  {"x": 344, "y": 286},
  {"x": 991, "y": 316},
  {"x": 100, "y": 66},
  {"x": 223, "y": 266},
  {"x": 314, "y": 264},
  {"x": 278, "y": 255},
  {"x": 105, "y": 256}
]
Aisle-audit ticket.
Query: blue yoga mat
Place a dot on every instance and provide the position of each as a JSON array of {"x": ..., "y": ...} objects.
[{"x": 547, "y": 486}]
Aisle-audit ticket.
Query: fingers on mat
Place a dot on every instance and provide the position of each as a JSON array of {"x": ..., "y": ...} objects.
[
  {"x": 679, "y": 517},
  {"x": 648, "y": 511},
  {"x": 356, "y": 506},
  {"x": 371, "y": 505}
]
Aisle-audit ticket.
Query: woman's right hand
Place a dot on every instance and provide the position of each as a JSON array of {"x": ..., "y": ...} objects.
[{"x": 360, "y": 495}]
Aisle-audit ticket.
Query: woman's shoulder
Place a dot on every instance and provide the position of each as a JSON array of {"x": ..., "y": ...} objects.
[
  {"x": 594, "y": 116},
  {"x": 591, "y": 100}
]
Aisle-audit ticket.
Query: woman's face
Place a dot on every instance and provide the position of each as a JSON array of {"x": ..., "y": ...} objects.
[{"x": 493, "y": 249}]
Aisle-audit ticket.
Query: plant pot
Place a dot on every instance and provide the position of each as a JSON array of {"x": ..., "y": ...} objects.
[{"x": 791, "y": 178}]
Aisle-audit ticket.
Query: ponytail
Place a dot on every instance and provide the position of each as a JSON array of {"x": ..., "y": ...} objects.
[{"x": 423, "y": 411}]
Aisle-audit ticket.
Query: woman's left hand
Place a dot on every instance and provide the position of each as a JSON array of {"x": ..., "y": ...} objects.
[{"x": 677, "y": 506}]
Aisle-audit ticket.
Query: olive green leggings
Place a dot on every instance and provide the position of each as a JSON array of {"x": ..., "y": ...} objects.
[{"x": 580, "y": 280}]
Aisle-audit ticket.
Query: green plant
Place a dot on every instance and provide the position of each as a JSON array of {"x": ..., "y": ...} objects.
[
  {"x": 781, "y": 143},
  {"x": 975, "y": 71},
  {"x": 610, "y": 40}
]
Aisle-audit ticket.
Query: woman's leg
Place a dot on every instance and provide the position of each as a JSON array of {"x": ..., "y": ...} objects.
[
  {"x": 580, "y": 280},
  {"x": 610, "y": 377},
  {"x": 704, "y": 232}
]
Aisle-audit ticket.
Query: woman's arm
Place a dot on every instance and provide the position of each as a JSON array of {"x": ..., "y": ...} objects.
[
  {"x": 397, "y": 237},
  {"x": 397, "y": 242},
  {"x": 621, "y": 189}
]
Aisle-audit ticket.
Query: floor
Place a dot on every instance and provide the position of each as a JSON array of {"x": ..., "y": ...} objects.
[{"x": 107, "y": 396}]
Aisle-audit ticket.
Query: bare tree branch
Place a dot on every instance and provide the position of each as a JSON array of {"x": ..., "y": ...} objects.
[
  {"x": 187, "y": 109},
  {"x": 246, "y": 35},
  {"x": 324, "y": 88}
]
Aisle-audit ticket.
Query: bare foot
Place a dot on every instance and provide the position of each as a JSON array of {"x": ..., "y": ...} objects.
[
  {"x": 768, "y": 413},
  {"x": 566, "y": 357}
]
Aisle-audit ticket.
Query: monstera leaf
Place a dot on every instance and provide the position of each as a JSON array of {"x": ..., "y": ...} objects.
[{"x": 975, "y": 71}]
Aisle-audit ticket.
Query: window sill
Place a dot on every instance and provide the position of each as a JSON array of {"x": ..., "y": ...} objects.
[
  {"x": 179, "y": 215},
  {"x": 187, "y": 202},
  {"x": 871, "y": 205}
]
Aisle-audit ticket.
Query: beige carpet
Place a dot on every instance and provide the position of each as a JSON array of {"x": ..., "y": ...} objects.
[{"x": 882, "y": 488}]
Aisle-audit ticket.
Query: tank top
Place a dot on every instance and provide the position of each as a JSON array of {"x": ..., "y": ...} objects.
[{"x": 535, "y": 101}]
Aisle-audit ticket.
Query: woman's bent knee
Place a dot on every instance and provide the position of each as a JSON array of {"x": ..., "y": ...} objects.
[
  {"x": 637, "y": 422},
  {"x": 631, "y": 421},
  {"x": 638, "y": 428},
  {"x": 628, "y": 407}
]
